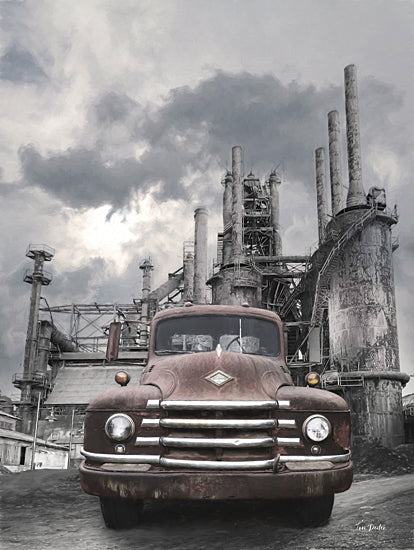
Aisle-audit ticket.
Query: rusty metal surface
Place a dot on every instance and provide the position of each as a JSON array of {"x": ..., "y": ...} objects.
[
  {"x": 321, "y": 193},
  {"x": 196, "y": 413},
  {"x": 335, "y": 168},
  {"x": 182, "y": 376},
  {"x": 112, "y": 348},
  {"x": 210, "y": 485}
]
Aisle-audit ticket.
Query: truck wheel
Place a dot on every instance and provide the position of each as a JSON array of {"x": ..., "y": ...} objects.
[
  {"x": 121, "y": 513},
  {"x": 314, "y": 512}
]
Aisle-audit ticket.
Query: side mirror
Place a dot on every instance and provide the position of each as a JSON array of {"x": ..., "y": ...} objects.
[{"x": 112, "y": 348}]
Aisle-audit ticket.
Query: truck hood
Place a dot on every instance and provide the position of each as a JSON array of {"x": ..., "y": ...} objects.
[
  {"x": 312, "y": 399},
  {"x": 213, "y": 376}
]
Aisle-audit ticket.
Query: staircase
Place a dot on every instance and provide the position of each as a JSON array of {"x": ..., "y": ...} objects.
[{"x": 331, "y": 263}]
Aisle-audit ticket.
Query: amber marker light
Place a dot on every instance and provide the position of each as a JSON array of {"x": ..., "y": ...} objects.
[
  {"x": 122, "y": 378},
  {"x": 312, "y": 379}
]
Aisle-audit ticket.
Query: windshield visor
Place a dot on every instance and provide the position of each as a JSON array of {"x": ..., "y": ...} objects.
[{"x": 249, "y": 335}]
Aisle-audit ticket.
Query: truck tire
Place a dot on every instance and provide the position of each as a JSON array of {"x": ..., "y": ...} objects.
[
  {"x": 314, "y": 512},
  {"x": 121, "y": 513}
]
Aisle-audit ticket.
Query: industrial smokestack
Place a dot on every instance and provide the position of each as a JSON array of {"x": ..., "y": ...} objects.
[
  {"x": 237, "y": 214},
  {"x": 356, "y": 195},
  {"x": 321, "y": 192},
  {"x": 335, "y": 168},
  {"x": 146, "y": 267},
  {"x": 188, "y": 290},
  {"x": 274, "y": 182},
  {"x": 200, "y": 255},
  {"x": 227, "y": 217}
]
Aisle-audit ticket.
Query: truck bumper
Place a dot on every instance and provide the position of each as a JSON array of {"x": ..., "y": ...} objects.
[{"x": 156, "y": 484}]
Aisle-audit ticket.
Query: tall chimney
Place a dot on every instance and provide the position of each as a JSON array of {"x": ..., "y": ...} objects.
[
  {"x": 274, "y": 182},
  {"x": 237, "y": 215},
  {"x": 188, "y": 290},
  {"x": 356, "y": 195},
  {"x": 227, "y": 218},
  {"x": 335, "y": 169},
  {"x": 321, "y": 192},
  {"x": 146, "y": 267},
  {"x": 200, "y": 255}
]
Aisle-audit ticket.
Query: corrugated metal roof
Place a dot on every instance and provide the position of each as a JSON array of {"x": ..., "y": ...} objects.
[{"x": 78, "y": 385}]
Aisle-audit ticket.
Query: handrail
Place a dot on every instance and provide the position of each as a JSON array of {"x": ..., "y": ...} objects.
[{"x": 350, "y": 232}]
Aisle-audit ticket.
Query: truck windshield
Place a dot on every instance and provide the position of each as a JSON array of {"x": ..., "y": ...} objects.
[{"x": 249, "y": 335}]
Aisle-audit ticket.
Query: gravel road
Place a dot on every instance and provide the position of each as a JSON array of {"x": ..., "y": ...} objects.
[{"x": 47, "y": 510}]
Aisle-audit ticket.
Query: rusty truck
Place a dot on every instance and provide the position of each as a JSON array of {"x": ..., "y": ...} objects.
[{"x": 216, "y": 416}]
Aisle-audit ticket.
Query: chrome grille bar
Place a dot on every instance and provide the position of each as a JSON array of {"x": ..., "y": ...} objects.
[
  {"x": 288, "y": 441},
  {"x": 286, "y": 423},
  {"x": 330, "y": 458},
  {"x": 205, "y": 442},
  {"x": 208, "y": 423},
  {"x": 206, "y": 465},
  {"x": 121, "y": 459}
]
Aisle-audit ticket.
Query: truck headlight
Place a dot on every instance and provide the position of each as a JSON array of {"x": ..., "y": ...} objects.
[
  {"x": 317, "y": 428},
  {"x": 119, "y": 427}
]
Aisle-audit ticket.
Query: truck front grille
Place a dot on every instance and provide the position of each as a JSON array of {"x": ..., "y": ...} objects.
[{"x": 219, "y": 434}]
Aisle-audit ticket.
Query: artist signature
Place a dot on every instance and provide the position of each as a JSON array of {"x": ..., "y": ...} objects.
[{"x": 363, "y": 526}]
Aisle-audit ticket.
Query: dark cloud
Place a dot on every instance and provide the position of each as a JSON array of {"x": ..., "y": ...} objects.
[
  {"x": 80, "y": 177},
  {"x": 195, "y": 129},
  {"x": 113, "y": 107},
  {"x": 19, "y": 66}
]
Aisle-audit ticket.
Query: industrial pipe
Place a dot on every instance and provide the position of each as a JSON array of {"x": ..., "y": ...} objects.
[
  {"x": 237, "y": 214},
  {"x": 227, "y": 218},
  {"x": 188, "y": 269},
  {"x": 200, "y": 255},
  {"x": 274, "y": 182},
  {"x": 356, "y": 195}
]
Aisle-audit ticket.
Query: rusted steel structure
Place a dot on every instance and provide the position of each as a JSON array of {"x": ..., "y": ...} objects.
[
  {"x": 33, "y": 380},
  {"x": 361, "y": 305},
  {"x": 337, "y": 305}
]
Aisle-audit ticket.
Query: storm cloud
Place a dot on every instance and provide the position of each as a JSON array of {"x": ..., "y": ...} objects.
[
  {"x": 118, "y": 120},
  {"x": 19, "y": 66},
  {"x": 193, "y": 130}
]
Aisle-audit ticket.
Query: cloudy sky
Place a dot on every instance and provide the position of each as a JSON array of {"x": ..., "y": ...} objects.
[{"x": 118, "y": 118}]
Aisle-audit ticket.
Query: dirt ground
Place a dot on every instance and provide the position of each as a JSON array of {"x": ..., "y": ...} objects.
[{"x": 46, "y": 509}]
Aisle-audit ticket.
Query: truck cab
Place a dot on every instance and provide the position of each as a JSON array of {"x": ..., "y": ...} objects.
[{"x": 215, "y": 416}]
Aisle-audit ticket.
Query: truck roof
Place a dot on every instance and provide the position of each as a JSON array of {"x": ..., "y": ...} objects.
[{"x": 208, "y": 309}]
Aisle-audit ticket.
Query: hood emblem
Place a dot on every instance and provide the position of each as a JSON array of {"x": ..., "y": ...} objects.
[
  {"x": 219, "y": 378},
  {"x": 219, "y": 350}
]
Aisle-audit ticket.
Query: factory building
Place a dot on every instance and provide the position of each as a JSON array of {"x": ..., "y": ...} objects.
[{"x": 338, "y": 304}]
